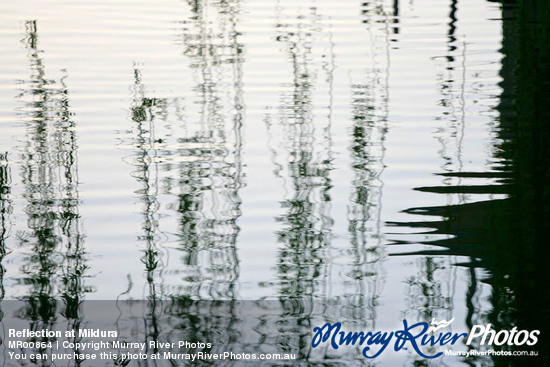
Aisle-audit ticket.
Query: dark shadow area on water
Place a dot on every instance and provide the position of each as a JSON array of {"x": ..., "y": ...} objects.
[{"x": 508, "y": 238}]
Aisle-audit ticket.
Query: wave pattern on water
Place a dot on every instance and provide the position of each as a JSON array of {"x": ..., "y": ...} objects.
[{"x": 371, "y": 158}]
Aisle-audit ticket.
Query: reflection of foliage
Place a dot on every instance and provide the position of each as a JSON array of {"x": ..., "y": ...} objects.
[
  {"x": 369, "y": 115},
  {"x": 145, "y": 158},
  {"x": 209, "y": 172},
  {"x": 5, "y": 210},
  {"x": 425, "y": 294},
  {"x": 50, "y": 163},
  {"x": 300, "y": 139},
  {"x": 54, "y": 266},
  {"x": 306, "y": 160},
  {"x": 187, "y": 159},
  {"x": 367, "y": 150},
  {"x": 507, "y": 237},
  {"x": 143, "y": 112},
  {"x": 306, "y": 222}
]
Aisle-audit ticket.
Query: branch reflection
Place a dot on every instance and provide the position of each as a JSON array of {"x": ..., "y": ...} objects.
[{"x": 55, "y": 265}]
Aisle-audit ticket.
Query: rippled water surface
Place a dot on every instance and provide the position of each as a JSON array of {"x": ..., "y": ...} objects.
[{"x": 361, "y": 153}]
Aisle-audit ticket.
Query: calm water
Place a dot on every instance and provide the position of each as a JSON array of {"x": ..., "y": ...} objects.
[{"x": 386, "y": 157}]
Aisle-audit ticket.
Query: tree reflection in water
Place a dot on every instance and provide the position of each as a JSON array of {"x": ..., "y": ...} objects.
[
  {"x": 5, "y": 211},
  {"x": 193, "y": 155},
  {"x": 507, "y": 237},
  {"x": 54, "y": 266},
  {"x": 209, "y": 172},
  {"x": 306, "y": 165},
  {"x": 300, "y": 138}
]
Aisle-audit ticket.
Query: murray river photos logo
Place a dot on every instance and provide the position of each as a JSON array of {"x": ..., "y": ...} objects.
[{"x": 418, "y": 335}]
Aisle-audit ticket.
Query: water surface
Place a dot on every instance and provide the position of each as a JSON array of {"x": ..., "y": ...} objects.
[{"x": 386, "y": 157}]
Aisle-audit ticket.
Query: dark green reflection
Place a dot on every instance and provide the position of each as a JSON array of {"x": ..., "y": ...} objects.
[
  {"x": 209, "y": 173},
  {"x": 145, "y": 158},
  {"x": 5, "y": 210},
  {"x": 303, "y": 159},
  {"x": 370, "y": 110},
  {"x": 509, "y": 237},
  {"x": 306, "y": 222},
  {"x": 187, "y": 155},
  {"x": 54, "y": 264},
  {"x": 192, "y": 156},
  {"x": 364, "y": 226}
]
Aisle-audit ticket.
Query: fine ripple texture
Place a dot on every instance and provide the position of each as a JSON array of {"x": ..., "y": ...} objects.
[{"x": 226, "y": 150}]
